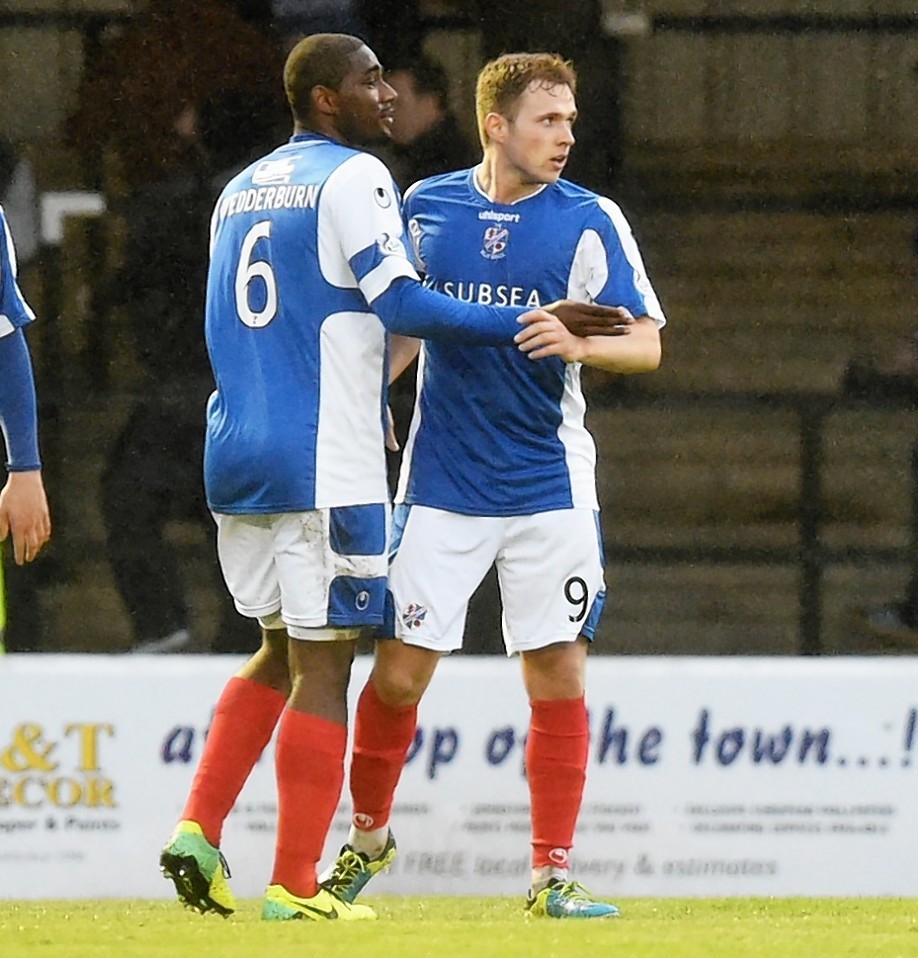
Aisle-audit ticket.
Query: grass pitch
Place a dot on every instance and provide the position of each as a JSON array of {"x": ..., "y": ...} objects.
[{"x": 471, "y": 928}]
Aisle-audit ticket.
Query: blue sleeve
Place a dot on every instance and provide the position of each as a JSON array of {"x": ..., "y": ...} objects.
[
  {"x": 18, "y": 405},
  {"x": 408, "y": 308}
]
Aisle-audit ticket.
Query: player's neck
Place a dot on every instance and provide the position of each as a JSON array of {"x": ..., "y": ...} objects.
[
  {"x": 326, "y": 129},
  {"x": 501, "y": 182}
]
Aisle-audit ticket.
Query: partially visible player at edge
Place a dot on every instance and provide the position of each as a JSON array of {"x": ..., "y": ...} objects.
[
  {"x": 516, "y": 484},
  {"x": 308, "y": 271},
  {"x": 23, "y": 504}
]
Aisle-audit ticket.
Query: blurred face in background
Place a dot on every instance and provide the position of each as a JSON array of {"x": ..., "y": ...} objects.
[{"x": 415, "y": 112}]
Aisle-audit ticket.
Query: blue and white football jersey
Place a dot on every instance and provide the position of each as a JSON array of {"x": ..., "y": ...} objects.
[
  {"x": 301, "y": 242},
  {"x": 14, "y": 310},
  {"x": 495, "y": 433}
]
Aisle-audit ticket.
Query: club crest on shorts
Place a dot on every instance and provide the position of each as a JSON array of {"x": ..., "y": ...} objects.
[
  {"x": 414, "y": 615},
  {"x": 494, "y": 242}
]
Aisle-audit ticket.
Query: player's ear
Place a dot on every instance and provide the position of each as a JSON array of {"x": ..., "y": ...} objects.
[
  {"x": 324, "y": 100},
  {"x": 496, "y": 126}
]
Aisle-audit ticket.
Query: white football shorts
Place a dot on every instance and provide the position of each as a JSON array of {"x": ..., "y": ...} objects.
[
  {"x": 549, "y": 566},
  {"x": 304, "y": 571}
]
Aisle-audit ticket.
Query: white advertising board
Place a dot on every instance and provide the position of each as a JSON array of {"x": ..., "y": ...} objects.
[{"x": 707, "y": 777}]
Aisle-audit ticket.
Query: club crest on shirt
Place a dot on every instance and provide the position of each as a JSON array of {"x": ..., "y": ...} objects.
[
  {"x": 494, "y": 242},
  {"x": 414, "y": 615}
]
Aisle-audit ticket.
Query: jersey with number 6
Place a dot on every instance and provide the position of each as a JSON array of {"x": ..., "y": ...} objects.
[{"x": 301, "y": 241}]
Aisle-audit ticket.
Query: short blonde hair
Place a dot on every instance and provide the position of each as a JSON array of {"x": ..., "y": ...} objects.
[{"x": 503, "y": 81}]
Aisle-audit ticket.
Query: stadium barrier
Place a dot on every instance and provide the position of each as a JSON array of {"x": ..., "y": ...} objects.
[
  {"x": 812, "y": 553},
  {"x": 707, "y": 777}
]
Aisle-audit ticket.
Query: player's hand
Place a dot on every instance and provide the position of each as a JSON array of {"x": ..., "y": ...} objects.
[
  {"x": 592, "y": 319},
  {"x": 545, "y": 335},
  {"x": 24, "y": 513}
]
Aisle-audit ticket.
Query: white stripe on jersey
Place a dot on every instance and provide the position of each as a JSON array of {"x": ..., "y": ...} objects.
[
  {"x": 415, "y": 424},
  {"x": 8, "y": 245},
  {"x": 579, "y": 448},
  {"x": 344, "y": 224},
  {"x": 350, "y": 428},
  {"x": 633, "y": 255},
  {"x": 378, "y": 280},
  {"x": 18, "y": 312},
  {"x": 590, "y": 269}
]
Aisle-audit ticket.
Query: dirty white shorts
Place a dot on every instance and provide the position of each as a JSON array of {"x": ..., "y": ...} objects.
[{"x": 304, "y": 571}]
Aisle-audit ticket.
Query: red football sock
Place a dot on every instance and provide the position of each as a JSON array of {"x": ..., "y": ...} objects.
[
  {"x": 556, "y": 760},
  {"x": 382, "y": 736},
  {"x": 309, "y": 762},
  {"x": 242, "y": 725}
]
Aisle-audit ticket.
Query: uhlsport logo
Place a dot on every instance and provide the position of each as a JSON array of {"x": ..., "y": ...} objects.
[
  {"x": 414, "y": 615},
  {"x": 494, "y": 242},
  {"x": 364, "y": 821},
  {"x": 362, "y": 600}
]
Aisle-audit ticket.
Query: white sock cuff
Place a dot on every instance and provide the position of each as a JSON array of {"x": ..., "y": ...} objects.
[{"x": 371, "y": 842}]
